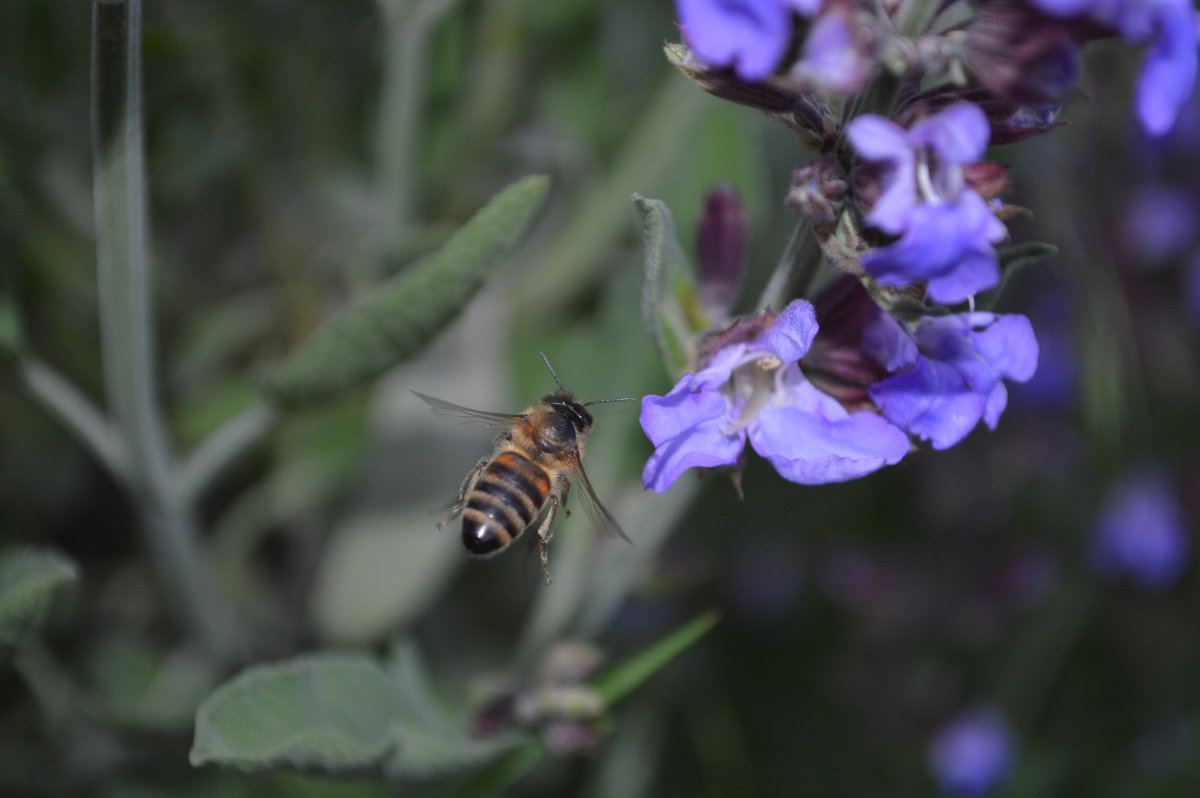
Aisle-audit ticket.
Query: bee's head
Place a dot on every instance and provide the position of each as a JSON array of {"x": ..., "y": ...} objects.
[{"x": 565, "y": 405}]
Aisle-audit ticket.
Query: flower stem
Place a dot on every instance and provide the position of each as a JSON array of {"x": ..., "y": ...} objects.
[
  {"x": 77, "y": 413},
  {"x": 796, "y": 270},
  {"x": 126, "y": 332},
  {"x": 236, "y": 435},
  {"x": 406, "y": 32}
]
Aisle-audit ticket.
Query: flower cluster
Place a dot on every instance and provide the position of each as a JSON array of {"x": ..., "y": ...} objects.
[
  {"x": 752, "y": 388},
  {"x": 946, "y": 228},
  {"x": 903, "y": 104}
]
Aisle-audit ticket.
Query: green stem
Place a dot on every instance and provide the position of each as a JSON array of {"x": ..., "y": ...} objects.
[
  {"x": 222, "y": 447},
  {"x": 798, "y": 265},
  {"x": 406, "y": 32},
  {"x": 126, "y": 332},
  {"x": 77, "y": 413}
]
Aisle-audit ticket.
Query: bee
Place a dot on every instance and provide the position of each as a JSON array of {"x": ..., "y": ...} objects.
[{"x": 536, "y": 457}]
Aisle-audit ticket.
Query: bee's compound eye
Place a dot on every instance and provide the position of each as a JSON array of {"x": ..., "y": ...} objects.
[{"x": 480, "y": 538}]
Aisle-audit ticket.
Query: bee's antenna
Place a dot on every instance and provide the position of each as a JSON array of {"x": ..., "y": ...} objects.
[
  {"x": 602, "y": 401},
  {"x": 553, "y": 373}
]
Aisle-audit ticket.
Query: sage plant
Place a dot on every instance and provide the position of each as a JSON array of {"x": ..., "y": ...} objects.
[{"x": 899, "y": 105}]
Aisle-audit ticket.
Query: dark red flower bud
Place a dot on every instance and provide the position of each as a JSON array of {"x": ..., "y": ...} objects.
[
  {"x": 835, "y": 363},
  {"x": 1010, "y": 121},
  {"x": 987, "y": 178},
  {"x": 721, "y": 249},
  {"x": 739, "y": 331}
]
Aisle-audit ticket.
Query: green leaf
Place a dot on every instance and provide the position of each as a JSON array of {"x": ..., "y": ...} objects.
[
  {"x": 10, "y": 328},
  {"x": 1012, "y": 259},
  {"x": 667, "y": 287},
  {"x": 1015, "y": 256},
  {"x": 134, "y": 685},
  {"x": 401, "y": 316},
  {"x": 380, "y": 572},
  {"x": 30, "y": 578},
  {"x": 430, "y": 742},
  {"x": 331, "y": 712},
  {"x": 615, "y": 684}
]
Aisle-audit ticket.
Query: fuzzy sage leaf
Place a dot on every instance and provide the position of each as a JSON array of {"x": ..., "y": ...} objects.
[
  {"x": 30, "y": 578},
  {"x": 668, "y": 286},
  {"x": 331, "y": 712},
  {"x": 397, "y": 320}
]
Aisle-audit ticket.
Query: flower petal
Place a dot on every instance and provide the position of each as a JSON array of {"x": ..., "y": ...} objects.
[
  {"x": 876, "y": 138},
  {"x": 888, "y": 342},
  {"x": 1169, "y": 74},
  {"x": 749, "y": 35},
  {"x": 685, "y": 427},
  {"x": 932, "y": 402},
  {"x": 1009, "y": 346},
  {"x": 959, "y": 134},
  {"x": 813, "y": 440},
  {"x": 792, "y": 333},
  {"x": 947, "y": 246}
]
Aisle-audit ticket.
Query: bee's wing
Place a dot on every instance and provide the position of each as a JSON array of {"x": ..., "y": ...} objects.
[
  {"x": 443, "y": 408},
  {"x": 595, "y": 509}
]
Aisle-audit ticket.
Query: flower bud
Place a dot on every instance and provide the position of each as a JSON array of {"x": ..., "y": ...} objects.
[
  {"x": 1020, "y": 53},
  {"x": 836, "y": 362},
  {"x": 724, "y": 82},
  {"x": 721, "y": 250},
  {"x": 818, "y": 190},
  {"x": 1010, "y": 121}
]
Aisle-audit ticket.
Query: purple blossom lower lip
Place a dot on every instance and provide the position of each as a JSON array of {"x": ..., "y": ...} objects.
[{"x": 952, "y": 374}]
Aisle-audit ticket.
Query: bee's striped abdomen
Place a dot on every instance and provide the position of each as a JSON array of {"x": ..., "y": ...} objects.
[{"x": 503, "y": 502}]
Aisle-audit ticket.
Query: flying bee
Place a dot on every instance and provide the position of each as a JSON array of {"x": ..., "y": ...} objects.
[{"x": 535, "y": 459}]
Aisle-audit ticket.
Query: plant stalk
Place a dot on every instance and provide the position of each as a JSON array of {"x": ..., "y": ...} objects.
[
  {"x": 797, "y": 267},
  {"x": 126, "y": 330},
  {"x": 406, "y": 32}
]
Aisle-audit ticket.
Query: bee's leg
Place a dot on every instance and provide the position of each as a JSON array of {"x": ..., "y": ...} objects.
[
  {"x": 557, "y": 499},
  {"x": 464, "y": 490},
  {"x": 544, "y": 559}
]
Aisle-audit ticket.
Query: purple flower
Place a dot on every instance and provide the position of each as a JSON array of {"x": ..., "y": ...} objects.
[
  {"x": 946, "y": 229},
  {"x": 951, "y": 371},
  {"x": 753, "y": 389},
  {"x": 834, "y": 60},
  {"x": 1168, "y": 28},
  {"x": 751, "y": 36},
  {"x": 1160, "y": 223},
  {"x": 1141, "y": 533},
  {"x": 972, "y": 753}
]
